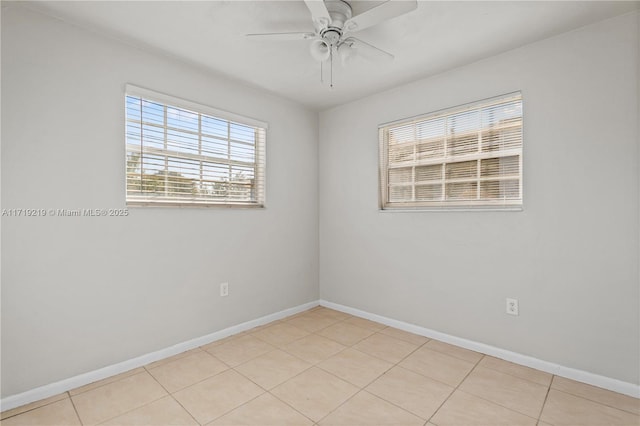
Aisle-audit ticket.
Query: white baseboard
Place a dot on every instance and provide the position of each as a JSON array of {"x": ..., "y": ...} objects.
[
  {"x": 549, "y": 367},
  {"x": 56, "y": 388}
]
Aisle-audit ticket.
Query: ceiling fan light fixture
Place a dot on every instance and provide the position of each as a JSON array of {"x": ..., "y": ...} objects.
[
  {"x": 346, "y": 53},
  {"x": 320, "y": 50},
  {"x": 350, "y": 26}
]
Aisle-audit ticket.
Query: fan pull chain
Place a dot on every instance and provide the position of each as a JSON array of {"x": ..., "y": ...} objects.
[{"x": 331, "y": 59}]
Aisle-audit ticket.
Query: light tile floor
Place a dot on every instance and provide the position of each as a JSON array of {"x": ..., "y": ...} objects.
[{"x": 324, "y": 367}]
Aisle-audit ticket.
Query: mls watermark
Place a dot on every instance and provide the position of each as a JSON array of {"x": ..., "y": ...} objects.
[{"x": 65, "y": 212}]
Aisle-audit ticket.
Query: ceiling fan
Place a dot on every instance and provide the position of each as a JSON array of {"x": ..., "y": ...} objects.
[{"x": 334, "y": 23}]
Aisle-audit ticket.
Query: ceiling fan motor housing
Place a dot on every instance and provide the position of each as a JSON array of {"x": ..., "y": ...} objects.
[
  {"x": 331, "y": 36},
  {"x": 340, "y": 12}
]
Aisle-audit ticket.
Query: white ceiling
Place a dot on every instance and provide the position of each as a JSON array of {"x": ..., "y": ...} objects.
[{"x": 435, "y": 37}]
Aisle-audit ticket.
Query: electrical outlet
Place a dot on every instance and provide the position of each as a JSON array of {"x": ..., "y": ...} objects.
[
  {"x": 224, "y": 289},
  {"x": 512, "y": 306}
]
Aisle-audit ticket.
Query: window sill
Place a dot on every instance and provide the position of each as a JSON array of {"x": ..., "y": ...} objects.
[
  {"x": 450, "y": 209},
  {"x": 164, "y": 204}
]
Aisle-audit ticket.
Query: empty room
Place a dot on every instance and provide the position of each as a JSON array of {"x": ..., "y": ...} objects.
[{"x": 310, "y": 212}]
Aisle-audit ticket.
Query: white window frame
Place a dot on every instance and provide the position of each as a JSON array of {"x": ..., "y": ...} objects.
[
  {"x": 512, "y": 149},
  {"x": 139, "y": 198}
]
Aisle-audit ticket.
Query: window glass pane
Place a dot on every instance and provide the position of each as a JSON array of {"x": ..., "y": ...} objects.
[
  {"x": 462, "y": 144},
  {"x": 152, "y": 136},
  {"x": 428, "y": 192},
  {"x": 431, "y": 129},
  {"x": 182, "y": 119},
  {"x": 400, "y": 193},
  {"x": 502, "y": 166},
  {"x": 506, "y": 136},
  {"x": 133, "y": 108},
  {"x": 213, "y": 147},
  {"x": 462, "y": 190},
  {"x": 402, "y": 134},
  {"x": 242, "y": 152},
  {"x": 466, "y": 169},
  {"x": 215, "y": 127},
  {"x": 433, "y": 172},
  {"x": 501, "y": 189},
  {"x": 182, "y": 142},
  {"x": 501, "y": 113},
  {"x": 401, "y": 153},
  {"x": 464, "y": 122},
  {"x": 152, "y": 164},
  {"x": 242, "y": 133},
  {"x": 152, "y": 113},
  {"x": 133, "y": 133},
  {"x": 398, "y": 176},
  {"x": 430, "y": 149}
]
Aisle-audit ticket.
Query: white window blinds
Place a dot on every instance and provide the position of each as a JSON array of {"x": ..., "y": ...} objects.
[
  {"x": 182, "y": 153},
  {"x": 464, "y": 157}
]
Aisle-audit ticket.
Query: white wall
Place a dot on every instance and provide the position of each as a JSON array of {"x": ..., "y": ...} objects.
[
  {"x": 571, "y": 257},
  {"x": 80, "y": 293}
]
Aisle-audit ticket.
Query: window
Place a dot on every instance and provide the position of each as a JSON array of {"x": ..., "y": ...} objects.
[
  {"x": 464, "y": 157},
  {"x": 184, "y": 154}
]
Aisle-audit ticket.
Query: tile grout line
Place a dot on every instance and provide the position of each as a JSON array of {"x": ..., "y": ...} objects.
[
  {"x": 488, "y": 400},
  {"x": 194, "y": 383},
  {"x": 454, "y": 356},
  {"x": 171, "y": 394},
  {"x": 291, "y": 406},
  {"x": 312, "y": 365},
  {"x": 397, "y": 364},
  {"x": 262, "y": 387},
  {"x": 75, "y": 408},
  {"x": 496, "y": 403},
  {"x": 284, "y": 321},
  {"x": 328, "y": 372},
  {"x": 34, "y": 408},
  {"x": 98, "y": 387},
  {"x": 124, "y": 375},
  {"x": 235, "y": 408},
  {"x": 135, "y": 408},
  {"x": 546, "y": 396},
  {"x": 455, "y": 388},
  {"x": 404, "y": 340},
  {"x": 513, "y": 375},
  {"x": 290, "y": 378},
  {"x": 185, "y": 409},
  {"x": 131, "y": 410},
  {"x": 593, "y": 400},
  {"x": 281, "y": 348},
  {"x": 178, "y": 357},
  {"x": 302, "y": 359},
  {"x": 596, "y": 402},
  {"x": 361, "y": 389}
]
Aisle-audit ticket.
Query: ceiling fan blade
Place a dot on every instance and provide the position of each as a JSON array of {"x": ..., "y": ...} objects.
[
  {"x": 387, "y": 10},
  {"x": 319, "y": 12},
  {"x": 368, "y": 51},
  {"x": 283, "y": 36}
]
